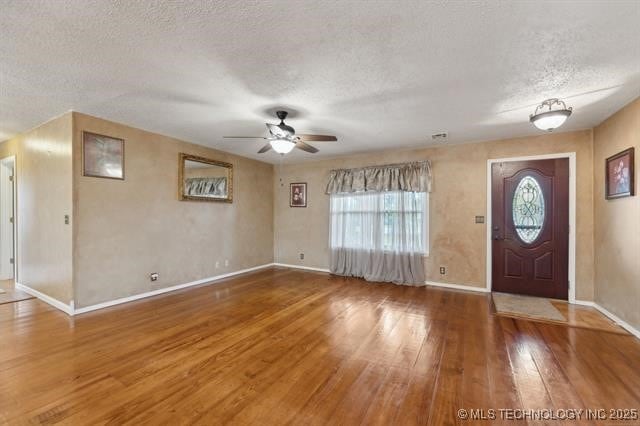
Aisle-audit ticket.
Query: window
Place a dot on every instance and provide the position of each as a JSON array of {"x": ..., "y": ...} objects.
[
  {"x": 388, "y": 221},
  {"x": 528, "y": 209}
]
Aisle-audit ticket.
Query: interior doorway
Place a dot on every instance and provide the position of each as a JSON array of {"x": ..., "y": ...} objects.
[
  {"x": 529, "y": 228},
  {"x": 7, "y": 218}
]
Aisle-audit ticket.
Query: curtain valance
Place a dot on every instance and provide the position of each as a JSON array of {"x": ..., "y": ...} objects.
[{"x": 413, "y": 177}]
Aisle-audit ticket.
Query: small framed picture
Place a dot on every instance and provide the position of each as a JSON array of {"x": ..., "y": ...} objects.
[
  {"x": 619, "y": 175},
  {"x": 298, "y": 195},
  {"x": 102, "y": 156}
]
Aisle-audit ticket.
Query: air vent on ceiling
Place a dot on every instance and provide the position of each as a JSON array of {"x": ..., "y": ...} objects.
[{"x": 440, "y": 137}]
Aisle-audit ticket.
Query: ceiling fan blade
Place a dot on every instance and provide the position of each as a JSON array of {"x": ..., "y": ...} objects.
[
  {"x": 317, "y": 138},
  {"x": 265, "y": 148},
  {"x": 244, "y": 137},
  {"x": 278, "y": 131},
  {"x": 306, "y": 147}
]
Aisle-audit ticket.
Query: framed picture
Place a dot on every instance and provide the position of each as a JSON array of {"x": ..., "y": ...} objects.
[
  {"x": 619, "y": 175},
  {"x": 102, "y": 156},
  {"x": 298, "y": 195}
]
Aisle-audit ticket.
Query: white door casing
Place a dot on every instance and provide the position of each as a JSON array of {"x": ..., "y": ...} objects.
[
  {"x": 7, "y": 218},
  {"x": 572, "y": 215}
]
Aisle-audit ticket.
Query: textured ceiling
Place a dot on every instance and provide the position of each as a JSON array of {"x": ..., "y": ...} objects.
[{"x": 376, "y": 74}]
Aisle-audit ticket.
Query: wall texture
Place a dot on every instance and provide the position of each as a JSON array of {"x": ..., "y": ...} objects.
[
  {"x": 617, "y": 222},
  {"x": 9, "y": 148},
  {"x": 44, "y": 184},
  {"x": 124, "y": 230},
  {"x": 459, "y": 193}
]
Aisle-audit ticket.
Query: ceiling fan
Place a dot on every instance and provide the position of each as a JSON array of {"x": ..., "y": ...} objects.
[{"x": 283, "y": 138}]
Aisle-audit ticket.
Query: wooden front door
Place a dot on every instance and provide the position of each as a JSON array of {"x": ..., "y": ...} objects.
[{"x": 530, "y": 227}]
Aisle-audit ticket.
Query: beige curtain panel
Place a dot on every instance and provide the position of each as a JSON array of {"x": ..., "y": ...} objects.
[{"x": 410, "y": 177}]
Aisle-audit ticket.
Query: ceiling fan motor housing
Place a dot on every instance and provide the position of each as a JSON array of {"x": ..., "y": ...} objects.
[
  {"x": 282, "y": 115},
  {"x": 288, "y": 129}
]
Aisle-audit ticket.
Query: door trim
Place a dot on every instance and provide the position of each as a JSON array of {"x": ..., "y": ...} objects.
[
  {"x": 11, "y": 159},
  {"x": 572, "y": 215}
]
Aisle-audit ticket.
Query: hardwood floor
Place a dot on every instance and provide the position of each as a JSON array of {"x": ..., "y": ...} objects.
[
  {"x": 6, "y": 284},
  {"x": 282, "y": 346},
  {"x": 8, "y": 293},
  {"x": 586, "y": 317}
]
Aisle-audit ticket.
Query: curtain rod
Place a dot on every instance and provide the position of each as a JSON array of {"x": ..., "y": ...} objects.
[{"x": 423, "y": 162}]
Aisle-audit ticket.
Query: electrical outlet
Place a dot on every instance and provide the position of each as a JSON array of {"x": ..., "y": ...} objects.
[
  {"x": 226, "y": 262},
  {"x": 301, "y": 256},
  {"x": 443, "y": 270},
  {"x": 217, "y": 264},
  {"x": 154, "y": 276}
]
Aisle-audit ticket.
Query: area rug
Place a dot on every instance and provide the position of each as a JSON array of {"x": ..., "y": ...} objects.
[{"x": 536, "y": 308}]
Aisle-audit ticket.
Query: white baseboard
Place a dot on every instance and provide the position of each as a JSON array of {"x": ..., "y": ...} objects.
[
  {"x": 67, "y": 309},
  {"x": 618, "y": 321},
  {"x": 431, "y": 283},
  {"x": 458, "y": 287},
  {"x": 166, "y": 290},
  {"x": 307, "y": 268},
  {"x": 631, "y": 329},
  {"x": 583, "y": 303}
]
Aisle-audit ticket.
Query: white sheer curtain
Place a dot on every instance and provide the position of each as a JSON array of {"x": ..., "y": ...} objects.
[{"x": 380, "y": 236}]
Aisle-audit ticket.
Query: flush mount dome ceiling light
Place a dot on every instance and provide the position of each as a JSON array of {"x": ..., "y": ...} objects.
[{"x": 550, "y": 114}]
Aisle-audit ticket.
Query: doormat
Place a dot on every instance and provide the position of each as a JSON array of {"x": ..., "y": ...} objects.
[{"x": 537, "y": 308}]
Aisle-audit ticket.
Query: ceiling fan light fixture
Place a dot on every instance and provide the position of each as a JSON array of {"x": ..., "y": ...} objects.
[
  {"x": 283, "y": 138},
  {"x": 550, "y": 114},
  {"x": 282, "y": 146}
]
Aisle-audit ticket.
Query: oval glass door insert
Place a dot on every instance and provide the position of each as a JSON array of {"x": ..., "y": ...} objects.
[{"x": 528, "y": 209}]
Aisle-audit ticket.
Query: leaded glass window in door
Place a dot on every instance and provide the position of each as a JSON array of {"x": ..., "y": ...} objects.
[{"x": 528, "y": 209}]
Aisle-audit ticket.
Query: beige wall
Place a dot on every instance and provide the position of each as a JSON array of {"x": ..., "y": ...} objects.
[
  {"x": 617, "y": 222},
  {"x": 44, "y": 197},
  {"x": 459, "y": 193},
  {"x": 124, "y": 230},
  {"x": 200, "y": 172},
  {"x": 9, "y": 148},
  {"x": 127, "y": 229}
]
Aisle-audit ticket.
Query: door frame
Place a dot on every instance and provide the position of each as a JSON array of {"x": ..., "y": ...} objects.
[
  {"x": 572, "y": 215},
  {"x": 11, "y": 159}
]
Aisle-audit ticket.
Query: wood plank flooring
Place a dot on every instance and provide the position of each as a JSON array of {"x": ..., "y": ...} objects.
[
  {"x": 9, "y": 294},
  {"x": 6, "y": 284},
  {"x": 290, "y": 347}
]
